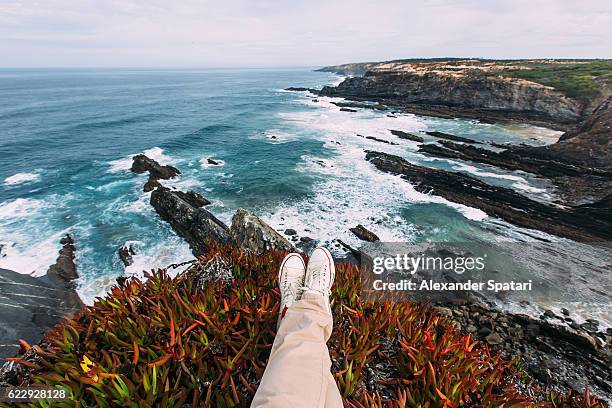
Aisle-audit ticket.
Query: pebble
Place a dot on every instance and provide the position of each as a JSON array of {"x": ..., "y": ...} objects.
[
  {"x": 494, "y": 339},
  {"x": 444, "y": 311}
]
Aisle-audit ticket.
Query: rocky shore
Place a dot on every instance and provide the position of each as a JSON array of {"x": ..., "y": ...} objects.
[
  {"x": 555, "y": 352},
  {"x": 497, "y": 201}
]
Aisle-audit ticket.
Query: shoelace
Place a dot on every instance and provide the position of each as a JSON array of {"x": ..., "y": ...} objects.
[
  {"x": 316, "y": 274},
  {"x": 288, "y": 290}
]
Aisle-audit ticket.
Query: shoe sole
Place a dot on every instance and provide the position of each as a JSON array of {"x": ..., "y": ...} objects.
[
  {"x": 287, "y": 257},
  {"x": 333, "y": 265}
]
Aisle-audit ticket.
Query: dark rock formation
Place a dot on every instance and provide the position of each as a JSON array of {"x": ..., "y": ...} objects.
[
  {"x": 191, "y": 197},
  {"x": 297, "y": 89},
  {"x": 364, "y": 234},
  {"x": 184, "y": 212},
  {"x": 448, "y": 136},
  {"x": 509, "y": 159},
  {"x": 376, "y": 106},
  {"x": 588, "y": 145},
  {"x": 406, "y": 135},
  {"x": 212, "y": 161},
  {"x": 64, "y": 270},
  {"x": 377, "y": 139},
  {"x": 188, "y": 219},
  {"x": 151, "y": 185},
  {"x": 497, "y": 201},
  {"x": 142, "y": 164},
  {"x": 126, "y": 254},
  {"x": 579, "y": 164},
  {"x": 290, "y": 231},
  {"x": 347, "y": 110},
  {"x": 32, "y": 305},
  {"x": 251, "y": 233}
]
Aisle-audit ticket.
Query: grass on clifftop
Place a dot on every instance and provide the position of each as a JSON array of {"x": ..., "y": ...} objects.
[
  {"x": 165, "y": 343},
  {"x": 580, "y": 80}
]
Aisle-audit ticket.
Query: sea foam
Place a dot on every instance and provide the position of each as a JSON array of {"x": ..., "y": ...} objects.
[{"x": 21, "y": 178}]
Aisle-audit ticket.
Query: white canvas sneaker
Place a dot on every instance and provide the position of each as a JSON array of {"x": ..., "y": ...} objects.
[
  {"x": 291, "y": 280},
  {"x": 320, "y": 273}
]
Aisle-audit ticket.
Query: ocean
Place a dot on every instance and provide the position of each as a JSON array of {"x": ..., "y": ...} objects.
[{"x": 67, "y": 137}]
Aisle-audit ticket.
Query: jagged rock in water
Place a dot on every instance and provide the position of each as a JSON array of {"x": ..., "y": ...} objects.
[
  {"x": 142, "y": 163},
  {"x": 508, "y": 159},
  {"x": 377, "y": 139},
  {"x": 64, "y": 269},
  {"x": 126, "y": 254},
  {"x": 364, "y": 234},
  {"x": 191, "y": 222},
  {"x": 195, "y": 199},
  {"x": 406, "y": 135},
  {"x": 253, "y": 234},
  {"x": 297, "y": 89},
  {"x": 448, "y": 136},
  {"x": 151, "y": 184}
]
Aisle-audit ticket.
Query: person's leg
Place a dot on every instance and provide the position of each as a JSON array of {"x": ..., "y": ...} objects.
[{"x": 298, "y": 372}]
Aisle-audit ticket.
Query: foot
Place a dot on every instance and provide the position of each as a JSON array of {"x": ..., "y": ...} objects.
[
  {"x": 291, "y": 279},
  {"x": 320, "y": 273}
]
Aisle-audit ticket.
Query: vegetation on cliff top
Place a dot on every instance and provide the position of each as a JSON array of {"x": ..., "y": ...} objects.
[
  {"x": 581, "y": 80},
  {"x": 167, "y": 342},
  {"x": 577, "y": 78}
]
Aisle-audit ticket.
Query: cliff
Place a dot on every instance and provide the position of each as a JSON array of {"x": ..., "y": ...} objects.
[
  {"x": 557, "y": 94},
  {"x": 588, "y": 144}
]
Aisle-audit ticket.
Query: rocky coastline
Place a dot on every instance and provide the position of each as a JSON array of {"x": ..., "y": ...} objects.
[
  {"x": 579, "y": 164},
  {"x": 556, "y": 352},
  {"x": 485, "y": 90}
]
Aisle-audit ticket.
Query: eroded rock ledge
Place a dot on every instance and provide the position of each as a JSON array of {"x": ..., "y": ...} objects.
[
  {"x": 497, "y": 201},
  {"x": 32, "y": 305}
]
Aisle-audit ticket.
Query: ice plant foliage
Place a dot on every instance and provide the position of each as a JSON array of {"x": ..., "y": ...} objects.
[{"x": 163, "y": 342}]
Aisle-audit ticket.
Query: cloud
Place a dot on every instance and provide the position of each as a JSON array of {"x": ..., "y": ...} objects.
[{"x": 206, "y": 33}]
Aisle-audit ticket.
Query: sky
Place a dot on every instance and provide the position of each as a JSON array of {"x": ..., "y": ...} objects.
[{"x": 295, "y": 33}]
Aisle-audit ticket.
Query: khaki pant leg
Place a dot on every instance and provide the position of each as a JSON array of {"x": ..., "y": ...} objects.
[{"x": 298, "y": 371}]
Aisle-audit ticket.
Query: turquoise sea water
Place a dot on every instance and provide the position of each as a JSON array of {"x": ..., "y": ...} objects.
[{"x": 67, "y": 137}]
